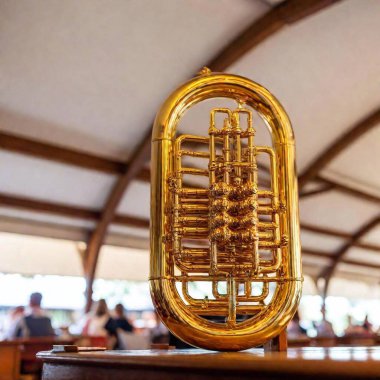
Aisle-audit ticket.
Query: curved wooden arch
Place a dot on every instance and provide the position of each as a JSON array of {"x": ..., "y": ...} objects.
[
  {"x": 284, "y": 14},
  {"x": 97, "y": 237}
]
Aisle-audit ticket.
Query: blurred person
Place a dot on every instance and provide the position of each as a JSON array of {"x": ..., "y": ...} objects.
[
  {"x": 121, "y": 319},
  {"x": 12, "y": 321},
  {"x": 101, "y": 324},
  {"x": 325, "y": 328},
  {"x": 35, "y": 323},
  {"x": 294, "y": 329}
]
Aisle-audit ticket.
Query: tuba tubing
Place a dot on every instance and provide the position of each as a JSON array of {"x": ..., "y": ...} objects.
[{"x": 187, "y": 318}]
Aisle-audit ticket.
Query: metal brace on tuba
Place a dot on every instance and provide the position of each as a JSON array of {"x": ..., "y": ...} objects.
[{"x": 229, "y": 234}]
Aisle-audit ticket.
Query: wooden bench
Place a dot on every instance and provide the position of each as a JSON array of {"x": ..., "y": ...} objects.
[
  {"x": 10, "y": 359},
  {"x": 29, "y": 348},
  {"x": 18, "y": 356}
]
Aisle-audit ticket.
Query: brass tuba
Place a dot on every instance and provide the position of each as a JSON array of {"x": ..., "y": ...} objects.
[{"x": 221, "y": 232}]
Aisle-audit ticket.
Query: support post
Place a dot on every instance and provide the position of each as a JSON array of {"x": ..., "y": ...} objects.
[{"x": 278, "y": 343}]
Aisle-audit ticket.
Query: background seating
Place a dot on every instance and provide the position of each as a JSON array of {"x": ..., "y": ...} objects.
[{"x": 10, "y": 359}]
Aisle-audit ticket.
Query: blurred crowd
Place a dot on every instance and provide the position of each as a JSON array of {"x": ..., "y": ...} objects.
[
  {"x": 101, "y": 326},
  {"x": 324, "y": 328},
  {"x": 116, "y": 330}
]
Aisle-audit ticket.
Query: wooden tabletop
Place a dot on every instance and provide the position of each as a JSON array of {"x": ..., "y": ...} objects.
[
  {"x": 9, "y": 343},
  {"x": 334, "y": 362}
]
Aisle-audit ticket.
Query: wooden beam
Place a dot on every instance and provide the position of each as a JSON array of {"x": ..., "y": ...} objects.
[
  {"x": 333, "y": 185},
  {"x": 36, "y": 228},
  {"x": 349, "y": 190},
  {"x": 368, "y": 246},
  {"x": 325, "y": 231},
  {"x": 67, "y": 156},
  {"x": 67, "y": 211},
  {"x": 359, "y": 234},
  {"x": 47, "y": 207},
  {"x": 328, "y": 185},
  {"x": 320, "y": 190},
  {"x": 270, "y": 23},
  {"x": 361, "y": 264},
  {"x": 313, "y": 253},
  {"x": 143, "y": 175},
  {"x": 59, "y": 231},
  {"x": 52, "y": 152},
  {"x": 135, "y": 165},
  {"x": 84, "y": 160},
  {"x": 339, "y": 145},
  {"x": 87, "y": 214},
  {"x": 36, "y": 205},
  {"x": 339, "y": 234},
  {"x": 339, "y": 255}
]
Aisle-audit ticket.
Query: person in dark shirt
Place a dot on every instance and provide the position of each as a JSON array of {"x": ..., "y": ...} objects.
[
  {"x": 121, "y": 319},
  {"x": 101, "y": 324},
  {"x": 36, "y": 323}
]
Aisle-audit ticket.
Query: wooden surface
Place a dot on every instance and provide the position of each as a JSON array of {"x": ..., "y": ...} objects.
[
  {"x": 301, "y": 363},
  {"x": 29, "y": 347},
  {"x": 9, "y": 360}
]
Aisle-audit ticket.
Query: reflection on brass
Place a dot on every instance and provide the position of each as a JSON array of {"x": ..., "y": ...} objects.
[{"x": 227, "y": 235}]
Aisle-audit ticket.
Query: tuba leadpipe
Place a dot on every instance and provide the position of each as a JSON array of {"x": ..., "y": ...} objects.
[{"x": 215, "y": 229}]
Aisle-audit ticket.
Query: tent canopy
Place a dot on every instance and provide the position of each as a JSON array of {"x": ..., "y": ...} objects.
[{"x": 89, "y": 78}]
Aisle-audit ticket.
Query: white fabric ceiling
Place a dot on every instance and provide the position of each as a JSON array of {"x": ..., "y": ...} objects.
[
  {"x": 373, "y": 236},
  {"x": 328, "y": 244},
  {"x": 91, "y": 77},
  {"x": 360, "y": 159},
  {"x": 37, "y": 178},
  {"x": 29, "y": 255},
  {"x": 325, "y": 72},
  {"x": 336, "y": 210}
]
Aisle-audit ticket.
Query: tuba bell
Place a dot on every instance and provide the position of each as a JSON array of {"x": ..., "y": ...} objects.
[{"x": 221, "y": 229}]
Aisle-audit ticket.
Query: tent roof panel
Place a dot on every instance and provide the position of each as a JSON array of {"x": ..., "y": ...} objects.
[{"x": 93, "y": 76}]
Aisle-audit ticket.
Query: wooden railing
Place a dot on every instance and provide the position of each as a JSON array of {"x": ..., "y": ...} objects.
[{"x": 18, "y": 356}]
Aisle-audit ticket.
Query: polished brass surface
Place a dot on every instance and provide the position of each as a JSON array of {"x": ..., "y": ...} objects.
[{"x": 232, "y": 234}]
